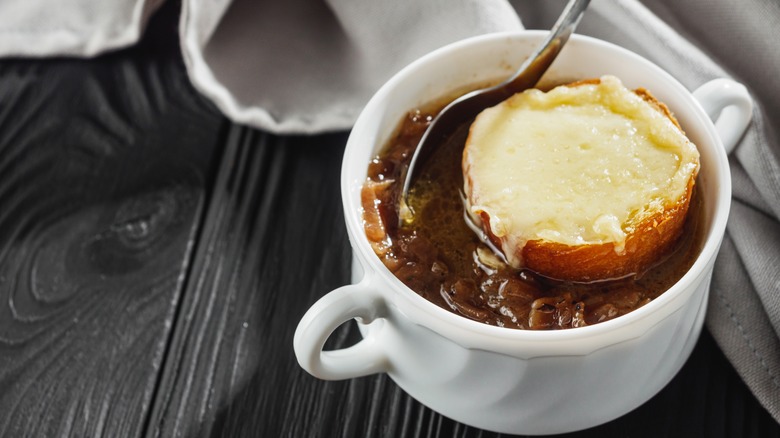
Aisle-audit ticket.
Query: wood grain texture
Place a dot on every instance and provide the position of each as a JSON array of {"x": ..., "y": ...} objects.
[
  {"x": 273, "y": 242},
  {"x": 104, "y": 166},
  {"x": 151, "y": 281}
]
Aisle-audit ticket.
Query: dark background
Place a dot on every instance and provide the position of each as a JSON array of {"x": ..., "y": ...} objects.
[{"x": 155, "y": 259}]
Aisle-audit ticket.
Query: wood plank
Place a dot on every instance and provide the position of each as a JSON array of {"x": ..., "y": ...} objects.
[
  {"x": 274, "y": 241},
  {"x": 104, "y": 167}
]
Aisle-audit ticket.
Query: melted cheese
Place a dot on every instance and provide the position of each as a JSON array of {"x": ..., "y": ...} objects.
[{"x": 576, "y": 165}]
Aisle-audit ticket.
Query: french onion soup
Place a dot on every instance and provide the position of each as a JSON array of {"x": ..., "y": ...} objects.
[{"x": 553, "y": 209}]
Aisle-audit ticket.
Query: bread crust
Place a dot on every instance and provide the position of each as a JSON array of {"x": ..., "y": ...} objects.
[
  {"x": 646, "y": 245},
  {"x": 648, "y": 241}
]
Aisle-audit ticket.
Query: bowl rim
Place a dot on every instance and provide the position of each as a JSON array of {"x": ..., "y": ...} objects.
[{"x": 474, "y": 334}]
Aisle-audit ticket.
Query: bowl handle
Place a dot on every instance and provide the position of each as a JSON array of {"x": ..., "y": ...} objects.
[
  {"x": 730, "y": 107},
  {"x": 337, "y": 307}
]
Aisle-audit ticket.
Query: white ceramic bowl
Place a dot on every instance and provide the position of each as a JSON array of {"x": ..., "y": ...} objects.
[{"x": 515, "y": 381}]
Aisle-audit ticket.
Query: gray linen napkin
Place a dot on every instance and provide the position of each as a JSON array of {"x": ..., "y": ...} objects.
[
  {"x": 71, "y": 27},
  {"x": 291, "y": 66},
  {"x": 695, "y": 41},
  {"x": 310, "y": 66}
]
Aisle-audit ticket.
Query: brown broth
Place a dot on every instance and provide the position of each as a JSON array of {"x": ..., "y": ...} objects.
[{"x": 436, "y": 254}]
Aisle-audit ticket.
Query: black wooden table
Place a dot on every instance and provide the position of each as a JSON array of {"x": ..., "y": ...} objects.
[{"x": 155, "y": 259}]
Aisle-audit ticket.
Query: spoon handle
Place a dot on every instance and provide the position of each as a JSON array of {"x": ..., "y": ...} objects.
[
  {"x": 469, "y": 105},
  {"x": 534, "y": 67}
]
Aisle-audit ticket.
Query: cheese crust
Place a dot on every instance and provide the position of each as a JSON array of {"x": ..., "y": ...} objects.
[{"x": 588, "y": 181}]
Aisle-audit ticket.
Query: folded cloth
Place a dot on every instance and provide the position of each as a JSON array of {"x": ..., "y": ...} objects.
[
  {"x": 310, "y": 66},
  {"x": 300, "y": 66},
  {"x": 71, "y": 27},
  {"x": 293, "y": 66}
]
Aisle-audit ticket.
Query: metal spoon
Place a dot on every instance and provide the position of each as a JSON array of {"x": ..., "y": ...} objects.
[{"x": 469, "y": 105}]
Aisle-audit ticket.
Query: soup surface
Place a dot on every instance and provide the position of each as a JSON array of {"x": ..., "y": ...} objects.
[{"x": 440, "y": 257}]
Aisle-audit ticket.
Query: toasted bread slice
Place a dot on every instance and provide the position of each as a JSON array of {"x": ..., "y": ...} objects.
[{"x": 589, "y": 181}]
